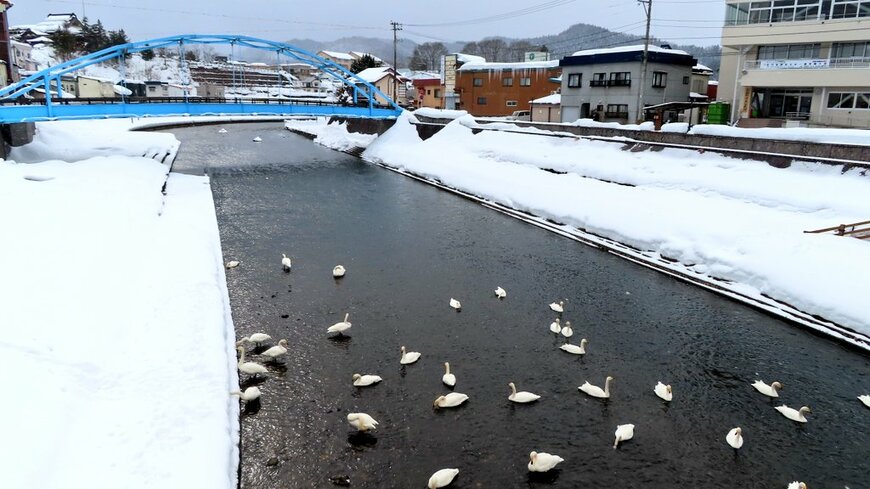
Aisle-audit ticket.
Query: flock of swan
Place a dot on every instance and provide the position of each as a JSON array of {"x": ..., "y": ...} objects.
[{"x": 538, "y": 461}]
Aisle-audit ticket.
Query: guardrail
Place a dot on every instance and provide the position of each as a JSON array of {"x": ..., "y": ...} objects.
[{"x": 178, "y": 100}]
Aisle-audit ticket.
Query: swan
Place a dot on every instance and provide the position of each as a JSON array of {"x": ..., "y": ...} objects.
[
  {"x": 543, "y": 462},
  {"x": 258, "y": 139},
  {"x": 250, "y": 394},
  {"x": 340, "y": 327},
  {"x": 251, "y": 368},
  {"x": 560, "y": 307},
  {"x": 338, "y": 271},
  {"x": 797, "y": 485},
  {"x": 222, "y": 131},
  {"x": 735, "y": 438},
  {"x": 365, "y": 380},
  {"x": 596, "y": 391},
  {"x": 450, "y": 400},
  {"x": 555, "y": 326},
  {"x": 567, "y": 332},
  {"x": 286, "y": 263},
  {"x": 232, "y": 264},
  {"x": 767, "y": 390},
  {"x": 865, "y": 399},
  {"x": 448, "y": 378},
  {"x": 794, "y": 414},
  {"x": 500, "y": 293},
  {"x": 521, "y": 397},
  {"x": 455, "y": 304},
  {"x": 409, "y": 357},
  {"x": 574, "y": 349},
  {"x": 362, "y": 421},
  {"x": 442, "y": 478},
  {"x": 256, "y": 338},
  {"x": 623, "y": 432},
  {"x": 277, "y": 350},
  {"x": 664, "y": 391}
]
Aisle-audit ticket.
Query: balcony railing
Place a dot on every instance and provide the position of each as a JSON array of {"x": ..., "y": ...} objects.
[
  {"x": 597, "y": 83},
  {"x": 807, "y": 64},
  {"x": 619, "y": 83},
  {"x": 616, "y": 115}
]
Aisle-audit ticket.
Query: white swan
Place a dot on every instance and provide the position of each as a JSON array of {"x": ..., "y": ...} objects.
[
  {"x": 567, "y": 332},
  {"x": 798, "y": 415},
  {"x": 543, "y": 462},
  {"x": 442, "y": 478},
  {"x": 767, "y": 390},
  {"x": 258, "y": 139},
  {"x": 409, "y": 357},
  {"x": 340, "y": 327},
  {"x": 560, "y": 307},
  {"x": 222, "y": 131},
  {"x": 500, "y": 293},
  {"x": 286, "y": 263},
  {"x": 256, "y": 338},
  {"x": 232, "y": 264},
  {"x": 277, "y": 350},
  {"x": 664, "y": 391},
  {"x": 797, "y": 485},
  {"x": 574, "y": 349},
  {"x": 595, "y": 391},
  {"x": 338, "y": 271},
  {"x": 623, "y": 432},
  {"x": 250, "y": 394},
  {"x": 455, "y": 304},
  {"x": 735, "y": 438},
  {"x": 865, "y": 399},
  {"x": 250, "y": 368},
  {"x": 450, "y": 400},
  {"x": 362, "y": 421},
  {"x": 365, "y": 380},
  {"x": 555, "y": 326},
  {"x": 521, "y": 397},
  {"x": 448, "y": 378}
]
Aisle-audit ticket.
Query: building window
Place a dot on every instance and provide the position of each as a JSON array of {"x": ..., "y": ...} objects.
[
  {"x": 525, "y": 82},
  {"x": 511, "y": 103},
  {"x": 789, "y": 51},
  {"x": 598, "y": 80},
  {"x": 851, "y": 51},
  {"x": 428, "y": 92},
  {"x": 507, "y": 82},
  {"x": 617, "y": 111},
  {"x": 575, "y": 80},
  {"x": 740, "y": 13},
  {"x": 685, "y": 80},
  {"x": 152, "y": 89},
  {"x": 437, "y": 93},
  {"x": 620, "y": 79},
  {"x": 660, "y": 79},
  {"x": 481, "y": 100},
  {"x": 478, "y": 82},
  {"x": 849, "y": 100},
  {"x": 849, "y": 9}
]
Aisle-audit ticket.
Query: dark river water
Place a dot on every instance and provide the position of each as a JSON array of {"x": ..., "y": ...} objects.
[{"x": 408, "y": 249}]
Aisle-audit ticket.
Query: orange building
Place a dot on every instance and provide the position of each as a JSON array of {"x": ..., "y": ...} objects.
[
  {"x": 499, "y": 89},
  {"x": 429, "y": 92}
]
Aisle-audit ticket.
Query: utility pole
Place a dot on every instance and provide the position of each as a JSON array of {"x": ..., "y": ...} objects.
[
  {"x": 647, "y": 6},
  {"x": 396, "y": 28}
]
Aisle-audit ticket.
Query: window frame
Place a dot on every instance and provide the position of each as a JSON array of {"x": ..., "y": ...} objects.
[
  {"x": 508, "y": 103},
  {"x": 477, "y": 82},
  {"x": 481, "y": 100},
  {"x": 507, "y": 81},
  {"x": 598, "y": 80},
  {"x": 660, "y": 79},
  {"x": 577, "y": 80},
  {"x": 525, "y": 81},
  {"x": 621, "y": 79}
]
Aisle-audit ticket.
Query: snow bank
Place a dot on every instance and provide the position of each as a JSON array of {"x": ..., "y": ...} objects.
[
  {"x": 118, "y": 342},
  {"x": 808, "y": 134},
  {"x": 334, "y": 136},
  {"x": 725, "y": 218},
  {"x": 440, "y": 113},
  {"x": 643, "y": 126}
]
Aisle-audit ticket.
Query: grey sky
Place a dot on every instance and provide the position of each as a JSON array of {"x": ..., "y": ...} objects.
[{"x": 681, "y": 21}]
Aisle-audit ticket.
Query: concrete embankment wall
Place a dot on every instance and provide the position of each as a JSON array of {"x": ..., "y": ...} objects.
[{"x": 17, "y": 134}]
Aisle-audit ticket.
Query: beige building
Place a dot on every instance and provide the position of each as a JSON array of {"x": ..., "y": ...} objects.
[
  {"x": 386, "y": 80},
  {"x": 89, "y": 87},
  {"x": 547, "y": 109},
  {"x": 342, "y": 59},
  {"x": 797, "y": 60}
]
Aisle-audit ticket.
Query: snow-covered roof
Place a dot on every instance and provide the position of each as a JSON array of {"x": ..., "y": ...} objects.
[
  {"x": 696, "y": 95},
  {"x": 702, "y": 68},
  {"x": 337, "y": 55},
  {"x": 423, "y": 75},
  {"x": 360, "y": 54},
  {"x": 372, "y": 75},
  {"x": 527, "y": 65},
  {"x": 713, "y": 82},
  {"x": 627, "y": 49},
  {"x": 38, "y": 40},
  {"x": 469, "y": 58},
  {"x": 52, "y": 23},
  {"x": 554, "y": 99}
]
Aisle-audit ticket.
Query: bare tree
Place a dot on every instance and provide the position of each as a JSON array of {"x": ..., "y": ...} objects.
[
  {"x": 471, "y": 48},
  {"x": 518, "y": 49},
  {"x": 493, "y": 49},
  {"x": 427, "y": 56}
]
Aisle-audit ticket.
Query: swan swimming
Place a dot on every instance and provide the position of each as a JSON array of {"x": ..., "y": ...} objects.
[
  {"x": 865, "y": 399},
  {"x": 250, "y": 368},
  {"x": 500, "y": 293},
  {"x": 365, "y": 380},
  {"x": 455, "y": 304},
  {"x": 232, "y": 264},
  {"x": 362, "y": 421},
  {"x": 448, "y": 378},
  {"x": 735, "y": 438},
  {"x": 560, "y": 307},
  {"x": 798, "y": 415},
  {"x": 767, "y": 390},
  {"x": 256, "y": 338},
  {"x": 574, "y": 349},
  {"x": 338, "y": 271},
  {"x": 286, "y": 263},
  {"x": 340, "y": 327},
  {"x": 258, "y": 139},
  {"x": 664, "y": 391},
  {"x": 567, "y": 332},
  {"x": 442, "y": 478},
  {"x": 450, "y": 400},
  {"x": 623, "y": 432},
  {"x": 595, "y": 391},
  {"x": 543, "y": 462},
  {"x": 521, "y": 397},
  {"x": 250, "y": 394},
  {"x": 222, "y": 131},
  {"x": 409, "y": 357},
  {"x": 555, "y": 326},
  {"x": 797, "y": 485},
  {"x": 277, "y": 350}
]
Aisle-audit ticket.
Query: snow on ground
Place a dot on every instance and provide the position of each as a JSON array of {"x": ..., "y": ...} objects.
[
  {"x": 807, "y": 134},
  {"x": 440, "y": 113},
  {"x": 731, "y": 219},
  {"x": 333, "y": 136},
  {"x": 118, "y": 339}
]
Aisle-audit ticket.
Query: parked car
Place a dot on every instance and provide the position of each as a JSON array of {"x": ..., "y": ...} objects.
[{"x": 521, "y": 115}]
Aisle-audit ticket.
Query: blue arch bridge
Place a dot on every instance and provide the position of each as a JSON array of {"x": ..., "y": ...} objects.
[{"x": 40, "y": 97}]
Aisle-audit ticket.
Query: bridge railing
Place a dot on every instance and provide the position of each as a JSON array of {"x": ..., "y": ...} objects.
[{"x": 181, "y": 100}]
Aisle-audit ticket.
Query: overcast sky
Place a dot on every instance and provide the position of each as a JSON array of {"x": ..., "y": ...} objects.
[{"x": 680, "y": 21}]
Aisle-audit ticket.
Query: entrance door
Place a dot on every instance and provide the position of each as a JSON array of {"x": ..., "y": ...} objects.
[{"x": 584, "y": 111}]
